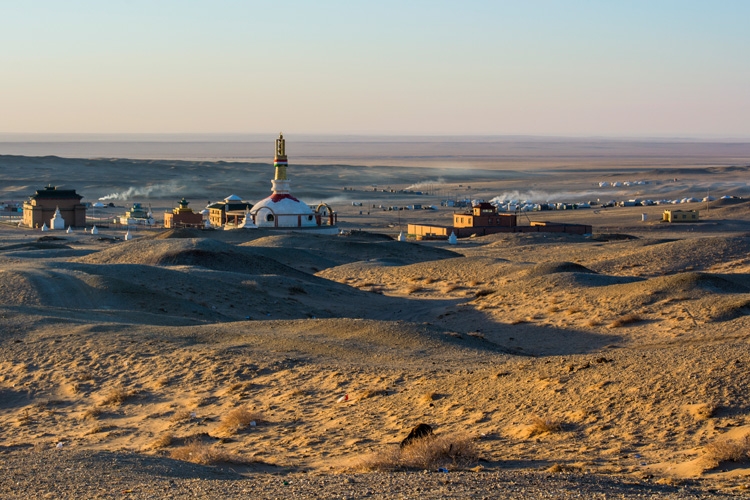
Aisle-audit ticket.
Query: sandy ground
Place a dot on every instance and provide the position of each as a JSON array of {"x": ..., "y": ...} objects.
[{"x": 615, "y": 364}]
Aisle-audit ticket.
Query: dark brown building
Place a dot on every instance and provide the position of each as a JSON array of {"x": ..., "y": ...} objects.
[{"x": 40, "y": 207}]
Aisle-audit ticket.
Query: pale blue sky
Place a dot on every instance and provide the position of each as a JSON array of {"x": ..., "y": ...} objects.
[{"x": 575, "y": 68}]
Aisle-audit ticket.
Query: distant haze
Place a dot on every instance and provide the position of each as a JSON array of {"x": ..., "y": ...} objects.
[
  {"x": 428, "y": 151},
  {"x": 576, "y": 68}
]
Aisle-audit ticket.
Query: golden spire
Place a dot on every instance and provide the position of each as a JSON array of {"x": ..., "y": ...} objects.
[
  {"x": 280, "y": 146},
  {"x": 279, "y": 160}
]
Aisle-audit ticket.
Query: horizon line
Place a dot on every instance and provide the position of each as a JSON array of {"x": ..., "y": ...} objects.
[{"x": 315, "y": 137}]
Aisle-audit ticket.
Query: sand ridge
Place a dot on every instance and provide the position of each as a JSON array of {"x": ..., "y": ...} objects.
[{"x": 624, "y": 354}]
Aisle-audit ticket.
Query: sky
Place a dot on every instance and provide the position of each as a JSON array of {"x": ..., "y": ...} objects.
[{"x": 573, "y": 68}]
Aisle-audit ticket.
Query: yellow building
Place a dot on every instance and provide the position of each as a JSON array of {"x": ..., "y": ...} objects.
[
  {"x": 680, "y": 216},
  {"x": 182, "y": 216}
]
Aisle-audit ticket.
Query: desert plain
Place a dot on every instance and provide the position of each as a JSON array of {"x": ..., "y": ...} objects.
[{"x": 278, "y": 364}]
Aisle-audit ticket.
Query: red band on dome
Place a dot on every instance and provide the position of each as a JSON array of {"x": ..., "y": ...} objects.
[{"x": 278, "y": 197}]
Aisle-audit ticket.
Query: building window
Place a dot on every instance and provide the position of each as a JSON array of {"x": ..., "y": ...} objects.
[
  {"x": 309, "y": 217},
  {"x": 269, "y": 217}
]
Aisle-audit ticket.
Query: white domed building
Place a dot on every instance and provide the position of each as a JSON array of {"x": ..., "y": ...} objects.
[{"x": 281, "y": 209}]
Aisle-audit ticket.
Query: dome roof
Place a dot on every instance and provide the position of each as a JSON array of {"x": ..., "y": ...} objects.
[
  {"x": 283, "y": 204},
  {"x": 232, "y": 197}
]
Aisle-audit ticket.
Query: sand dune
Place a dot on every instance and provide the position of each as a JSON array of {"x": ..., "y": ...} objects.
[{"x": 624, "y": 354}]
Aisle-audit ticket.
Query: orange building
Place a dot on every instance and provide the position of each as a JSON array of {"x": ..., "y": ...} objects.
[
  {"x": 182, "y": 216},
  {"x": 483, "y": 215},
  {"x": 484, "y": 219}
]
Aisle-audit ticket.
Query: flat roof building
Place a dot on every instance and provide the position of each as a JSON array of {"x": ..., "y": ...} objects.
[
  {"x": 40, "y": 208},
  {"x": 680, "y": 216}
]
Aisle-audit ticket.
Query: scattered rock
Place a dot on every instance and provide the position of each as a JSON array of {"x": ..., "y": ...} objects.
[{"x": 421, "y": 431}]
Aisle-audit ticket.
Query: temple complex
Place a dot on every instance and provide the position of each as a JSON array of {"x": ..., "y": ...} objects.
[
  {"x": 182, "y": 216},
  {"x": 137, "y": 215},
  {"x": 281, "y": 209},
  {"x": 42, "y": 207},
  {"x": 230, "y": 211}
]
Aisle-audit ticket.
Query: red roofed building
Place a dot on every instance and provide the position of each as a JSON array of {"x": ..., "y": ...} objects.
[{"x": 182, "y": 216}]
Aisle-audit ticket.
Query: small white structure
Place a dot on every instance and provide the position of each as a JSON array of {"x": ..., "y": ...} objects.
[
  {"x": 57, "y": 222},
  {"x": 644, "y": 217},
  {"x": 401, "y": 236},
  {"x": 128, "y": 236},
  {"x": 69, "y": 230},
  {"x": 452, "y": 239},
  {"x": 247, "y": 222},
  {"x": 44, "y": 227},
  {"x": 94, "y": 230}
]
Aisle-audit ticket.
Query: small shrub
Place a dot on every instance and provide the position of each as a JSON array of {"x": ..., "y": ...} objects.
[
  {"x": 163, "y": 441},
  {"x": 543, "y": 426},
  {"x": 450, "y": 288},
  {"x": 117, "y": 396},
  {"x": 428, "y": 397},
  {"x": 724, "y": 450},
  {"x": 414, "y": 289},
  {"x": 297, "y": 290},
  {"x": 704, "y": 411},
  {"x": 92, "y": 414},
  {"x": 98, "y": 428},
  {"x": 237, "y": 419},
  {"x": 474, "y": 283},
  {"x": 426, "y": 453},
  {"x": 202, "y": 453},
  {"x": 371, "y": 393},
  {"x": 628, "y": 319},
  {"x": 182, "y": 415},
  {"x": 24, "y": 419},
  {"x": 483, "y": 292},
  {"x": 83, "y": 375}
]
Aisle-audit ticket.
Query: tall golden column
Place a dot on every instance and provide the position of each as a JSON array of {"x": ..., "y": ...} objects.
[{"x": 279, "y": 159}]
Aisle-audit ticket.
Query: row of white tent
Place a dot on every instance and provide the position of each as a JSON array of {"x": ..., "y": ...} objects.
[
  {"x": 529, "y": 206},
  {"x": 617, "y": 184}
]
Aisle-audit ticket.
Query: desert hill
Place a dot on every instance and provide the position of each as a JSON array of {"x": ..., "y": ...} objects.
[{"x": 623, "y": 355}]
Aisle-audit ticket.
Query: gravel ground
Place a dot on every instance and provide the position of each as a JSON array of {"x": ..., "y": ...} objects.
[{"x": 52, "y": 473}]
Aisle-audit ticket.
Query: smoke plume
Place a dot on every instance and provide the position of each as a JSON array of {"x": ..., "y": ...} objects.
[{"x": 155, "y": 190}]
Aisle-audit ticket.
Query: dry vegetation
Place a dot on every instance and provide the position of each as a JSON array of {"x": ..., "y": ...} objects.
[
  {"x": 726, "y": 450},
  {"x": 628, "y": 319},
  {"x": 431, "y": 452},
  {"x": 237, "y": 420},
  {"x": 199, "y": 452},
  {"x": 117, "y": 396},
  {"x": 544, "y": 426},
  {"x": 522, "y": 335}
]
